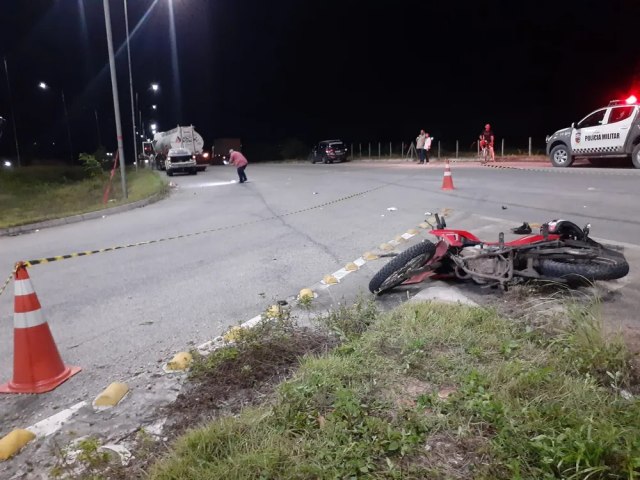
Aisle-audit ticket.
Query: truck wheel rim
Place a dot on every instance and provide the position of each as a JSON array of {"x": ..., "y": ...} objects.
[{"x": 560, "y": 157}]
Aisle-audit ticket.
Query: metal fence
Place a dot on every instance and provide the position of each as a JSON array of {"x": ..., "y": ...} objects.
[{"x": 440, "y": 149}]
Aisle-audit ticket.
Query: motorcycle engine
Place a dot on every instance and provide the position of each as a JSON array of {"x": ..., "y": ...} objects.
[{"x": 481, "y": 261}]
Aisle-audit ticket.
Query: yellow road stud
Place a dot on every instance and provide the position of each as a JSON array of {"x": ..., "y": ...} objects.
[
  {"x": 386, "y": 247},
  {"x": 351, "y": 267},
  {"x": 424, "y": 225},
  {"x": 13, "y": 442},
  {"x": 330, "y": 280},
  {"x": 305, "y": 293},
  {"x": 413, "y": 231},
  {"x": 274, "y": 311},
  {"x": 112, "y": 395},
  {"x": 180, "y": 361},
  {"x": 400, "y": 239},
  {"x": 370, "y": 256}
]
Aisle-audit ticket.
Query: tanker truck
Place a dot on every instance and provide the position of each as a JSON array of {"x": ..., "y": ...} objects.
[{"x": 180, "y": 137}]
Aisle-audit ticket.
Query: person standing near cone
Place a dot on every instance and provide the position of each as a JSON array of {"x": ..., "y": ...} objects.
[
  {"x": 420, "y": 139},
  {"x": 427, "y": 147},
  {"x": 239, "y": 161}
]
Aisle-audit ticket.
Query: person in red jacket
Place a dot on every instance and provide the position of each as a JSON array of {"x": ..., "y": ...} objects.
[{"x": 238, "y": 160}]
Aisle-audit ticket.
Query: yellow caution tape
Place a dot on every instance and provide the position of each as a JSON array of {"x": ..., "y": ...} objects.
[{"x": 57, "y": 258}]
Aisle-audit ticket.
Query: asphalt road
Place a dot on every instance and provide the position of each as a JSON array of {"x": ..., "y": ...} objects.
[{"x": 241, "y": 247}]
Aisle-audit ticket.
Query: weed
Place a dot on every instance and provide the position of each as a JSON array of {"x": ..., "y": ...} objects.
[
  {"x": 523, "y": 405},
  {"x": 350, "y": 321},
  {"x": 586, "y": 349},
  {"x": 91, "y": 165},
  {"x": 83, "y": 459}
]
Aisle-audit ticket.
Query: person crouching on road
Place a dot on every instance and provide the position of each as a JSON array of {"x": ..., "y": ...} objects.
[{"x": 238, "y": 160}]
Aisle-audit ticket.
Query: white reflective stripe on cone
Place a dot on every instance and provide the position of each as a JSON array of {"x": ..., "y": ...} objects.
[
  {"x": 24, "y": 287},
  {"x": 28, "y": 319}
]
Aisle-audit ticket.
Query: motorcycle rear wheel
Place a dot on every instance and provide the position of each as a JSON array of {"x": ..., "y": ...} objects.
[
  {"x": 607, "y": 265},
  {"x": 402, "y": 267}
]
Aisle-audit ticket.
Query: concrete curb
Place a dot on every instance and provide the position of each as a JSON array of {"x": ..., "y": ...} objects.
[{"x": 10, "y": 231}]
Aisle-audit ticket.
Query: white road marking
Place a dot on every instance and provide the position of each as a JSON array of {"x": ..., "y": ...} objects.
[{"x": 51, "y": 425}]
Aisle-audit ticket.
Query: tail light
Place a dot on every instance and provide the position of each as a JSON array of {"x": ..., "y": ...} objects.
[{"x": 329, "y": 150}]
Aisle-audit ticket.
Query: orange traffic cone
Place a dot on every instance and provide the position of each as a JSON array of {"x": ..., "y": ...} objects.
[
  {"x": 37, "y": 366},
  {"x": 447, "y": 180}
]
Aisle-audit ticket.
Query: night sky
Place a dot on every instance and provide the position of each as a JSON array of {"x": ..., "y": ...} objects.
[{"x": 268, "y": 70}]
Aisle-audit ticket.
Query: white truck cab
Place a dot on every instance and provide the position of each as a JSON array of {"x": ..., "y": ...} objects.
[
  {"x": 609, "y": 132},
  {"x": 180, "y": 160}
]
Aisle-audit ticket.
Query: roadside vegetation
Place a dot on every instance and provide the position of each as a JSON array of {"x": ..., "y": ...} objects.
[
  {"x": 424, "y": 391},
  {"x": 33, "y": 194}
]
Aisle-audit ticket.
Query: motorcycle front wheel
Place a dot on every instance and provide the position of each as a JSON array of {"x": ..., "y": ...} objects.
[
  {"x": 402, "y": 267},
  {"x": 606, "y": 265}
]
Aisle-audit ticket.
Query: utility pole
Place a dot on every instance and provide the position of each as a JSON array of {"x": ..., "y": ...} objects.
[
  {"x": 116, "y": 102},
  {"x": 66, "y": 115},
  {"x": 95, "y": 110},
  {"x": 13, "y": 116},
  {"x": 133, "y": 111}
]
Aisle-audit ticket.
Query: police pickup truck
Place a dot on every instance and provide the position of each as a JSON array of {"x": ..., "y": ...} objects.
[{"x": 609, "y": 132}]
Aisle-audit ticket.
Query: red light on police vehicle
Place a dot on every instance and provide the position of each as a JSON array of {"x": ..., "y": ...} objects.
[{"x": 631, "y": 100}]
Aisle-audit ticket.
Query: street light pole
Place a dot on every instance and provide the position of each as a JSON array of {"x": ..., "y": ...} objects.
[
  {"x": 133, "y": 111},
  {"x": 114, "y": 88},
  {"x": 66, "y": 114},
  {"x": 13, "y": 117}
]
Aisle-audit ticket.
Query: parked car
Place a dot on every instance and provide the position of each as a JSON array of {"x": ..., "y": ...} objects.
[
  {"x": 329, "y": 151},
  {"x": 180, "y": 160}
]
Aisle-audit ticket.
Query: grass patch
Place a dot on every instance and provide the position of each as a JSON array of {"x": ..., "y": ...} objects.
[
  {"x": 433, "y": 391},
  {"x": 34, "y": 194}
]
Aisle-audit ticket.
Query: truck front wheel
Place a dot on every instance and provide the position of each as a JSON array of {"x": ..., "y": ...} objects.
[
  {"x": 635, "y": 156},
  {"x": 560, "y": 156}
]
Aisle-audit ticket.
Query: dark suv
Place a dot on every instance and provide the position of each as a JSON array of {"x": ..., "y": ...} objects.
[{"x": 329, "y": 151}]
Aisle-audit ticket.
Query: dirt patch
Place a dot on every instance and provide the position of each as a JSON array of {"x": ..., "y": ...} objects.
[
  {"x": 248, "y": 377},
  {"x": 450, "y": 456}
]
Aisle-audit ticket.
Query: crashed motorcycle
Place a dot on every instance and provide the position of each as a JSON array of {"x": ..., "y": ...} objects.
[{"x": 562, "y": 252}]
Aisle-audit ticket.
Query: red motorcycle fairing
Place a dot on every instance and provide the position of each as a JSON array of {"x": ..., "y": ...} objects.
[
  {"x": 527, "y": 240},
  {"x": 441, "y": 250},
  {"x": 456, "y": 238}
]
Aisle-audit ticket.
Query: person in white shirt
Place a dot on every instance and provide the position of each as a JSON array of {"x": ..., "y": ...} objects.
[{"x": 427, "y": 147}]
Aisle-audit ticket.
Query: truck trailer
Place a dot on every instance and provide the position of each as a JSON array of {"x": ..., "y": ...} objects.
[{"x": 184, "y": 137}]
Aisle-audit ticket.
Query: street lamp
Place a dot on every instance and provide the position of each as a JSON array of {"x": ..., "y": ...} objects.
[
  {"x": 44, "y": 86},
  {"x": 155, "y": 87},
  {"x": 154, "y": 107},
  {"x": 13, "y": 117}
]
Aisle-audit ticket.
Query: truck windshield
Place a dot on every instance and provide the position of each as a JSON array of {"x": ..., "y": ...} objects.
[{"x": 180, "y": 158}]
